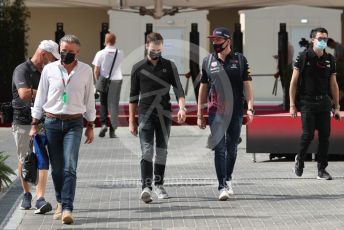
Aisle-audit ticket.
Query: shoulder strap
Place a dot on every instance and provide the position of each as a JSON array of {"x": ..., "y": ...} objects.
[
  {"x": 113, "y": 63},
  {"x": 209, "y": 60},
  {"x": 303, "y": 60}
]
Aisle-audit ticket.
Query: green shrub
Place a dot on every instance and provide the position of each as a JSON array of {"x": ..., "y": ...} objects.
[{"x": 5, "y": 171}]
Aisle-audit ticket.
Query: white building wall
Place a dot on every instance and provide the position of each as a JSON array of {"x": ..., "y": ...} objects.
[{"x": 130, "y": 28}]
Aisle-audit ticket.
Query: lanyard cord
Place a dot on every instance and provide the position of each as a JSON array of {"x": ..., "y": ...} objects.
[{"x": 63, "y": 80}]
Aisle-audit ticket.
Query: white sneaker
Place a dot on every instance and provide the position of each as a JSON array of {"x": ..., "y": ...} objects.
[
  {"x": 160, "y": 192},
  {"x": 224, "y": 195},
  {"x": 230, "y": 189},
  {"x": 146, "y": 195}
]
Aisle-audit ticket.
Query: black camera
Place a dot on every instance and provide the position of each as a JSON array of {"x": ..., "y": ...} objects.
[{"x": 304, "y": 43}]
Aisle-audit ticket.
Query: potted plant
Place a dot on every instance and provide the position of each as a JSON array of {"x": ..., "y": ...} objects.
[{"x": 5, "y": 171}]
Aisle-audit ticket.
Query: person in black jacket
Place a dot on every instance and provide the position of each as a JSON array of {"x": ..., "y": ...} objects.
[
  {"x": 314, "y": 76},
  {"x": 151, "y": 80}
]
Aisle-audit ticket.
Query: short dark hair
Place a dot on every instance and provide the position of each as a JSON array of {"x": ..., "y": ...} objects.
[
  {"x": 156, "y": 38},
  {"x": 317, "y": 30}
]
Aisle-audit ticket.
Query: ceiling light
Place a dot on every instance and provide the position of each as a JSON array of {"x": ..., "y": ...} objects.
[{"x": 304, "y": 21}]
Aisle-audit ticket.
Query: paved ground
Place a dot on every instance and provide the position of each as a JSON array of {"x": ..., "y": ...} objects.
[{"x": 267, "y": 195}]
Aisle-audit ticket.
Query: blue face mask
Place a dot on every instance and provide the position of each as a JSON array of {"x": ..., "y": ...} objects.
[{"x": 321, "y": 45}]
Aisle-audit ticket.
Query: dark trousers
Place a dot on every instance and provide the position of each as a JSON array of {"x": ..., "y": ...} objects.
[
  {"x": 312, "y": 121},
  {"x": 104, "y": 109},
  {"x": 150, "y": 125}
]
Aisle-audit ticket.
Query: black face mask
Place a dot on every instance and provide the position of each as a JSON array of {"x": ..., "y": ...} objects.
[
  {"x": 154, "y": 55},
  {"x": 67, "y": 58},
  {"x": 218, "y": 48}
]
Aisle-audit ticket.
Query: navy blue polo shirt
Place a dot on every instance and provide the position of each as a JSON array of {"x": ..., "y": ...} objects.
[{"x": 232, "y": 70}]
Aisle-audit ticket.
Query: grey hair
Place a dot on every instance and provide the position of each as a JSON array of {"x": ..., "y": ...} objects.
[{"x": 69, "y": 38}]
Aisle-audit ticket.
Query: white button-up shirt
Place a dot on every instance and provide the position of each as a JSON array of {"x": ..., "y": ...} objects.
[
  {"x": 80, "y": 91},
  {"x": 104, "y": 59}
]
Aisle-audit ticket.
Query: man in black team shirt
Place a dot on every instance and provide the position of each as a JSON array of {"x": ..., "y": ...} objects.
[
  {"x": 151, "y": 80},
  {"x": 314, "y": 76}
]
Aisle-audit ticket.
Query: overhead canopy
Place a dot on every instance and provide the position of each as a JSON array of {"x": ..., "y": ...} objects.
[{"x": 194, "y": 4}]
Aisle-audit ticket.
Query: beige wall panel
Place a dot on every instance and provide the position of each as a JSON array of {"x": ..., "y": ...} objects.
[
  {"x": 223, "y": 17},
  {"x": 82, "y": 22}
]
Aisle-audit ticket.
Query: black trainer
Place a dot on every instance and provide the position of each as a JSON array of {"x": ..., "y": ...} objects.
[
  {"x": 26, "y": 203},
  {"x": 298, "y": 169},
  {"x": 112, "y": 134},
  {"x": 102, "y": 131},
  {"x": 323, "y": 175},
  {"x": 42, "y": 206}
]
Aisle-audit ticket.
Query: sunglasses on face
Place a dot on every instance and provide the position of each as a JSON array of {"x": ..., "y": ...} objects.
[{"x": 322, "y": 39}]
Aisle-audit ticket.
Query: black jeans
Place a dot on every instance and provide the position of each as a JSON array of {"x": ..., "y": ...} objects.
[
  {"x": 312, "y": 121},
  {"x": 150, "y": 125}
]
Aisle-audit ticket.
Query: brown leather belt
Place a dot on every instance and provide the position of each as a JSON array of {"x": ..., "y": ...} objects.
[{"x": 64, "y": 117}]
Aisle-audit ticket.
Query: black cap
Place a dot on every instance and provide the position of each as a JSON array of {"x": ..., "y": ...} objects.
[{"x": 220, "y": 32}]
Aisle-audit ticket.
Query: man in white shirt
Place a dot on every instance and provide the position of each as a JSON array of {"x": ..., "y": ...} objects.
[
  {"x": 65, "y": 96},
  {"x": 109, "y": 100}
]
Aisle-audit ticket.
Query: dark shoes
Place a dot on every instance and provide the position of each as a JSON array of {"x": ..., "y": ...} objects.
[
  {"x": 26, "y": 203},
  {"x": 323, "y": 175},
  {"x": 102, "y": 131},
  {"x": 112, "y": 134},
  {"x": 299, "y": 165},
  {"x": 42, "y": 206}
]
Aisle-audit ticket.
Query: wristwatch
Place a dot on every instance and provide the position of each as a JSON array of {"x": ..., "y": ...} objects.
[
  {"x": 90, "y": 125},
  {"x": 182, "y": 108}
]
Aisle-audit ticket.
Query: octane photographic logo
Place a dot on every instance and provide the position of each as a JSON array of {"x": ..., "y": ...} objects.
[{"x": 220, "y": 118}]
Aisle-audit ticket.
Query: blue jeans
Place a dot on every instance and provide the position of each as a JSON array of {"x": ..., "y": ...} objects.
[
  {"x": 63, "y": 138},
  {"x": 226, "y": 144}
]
